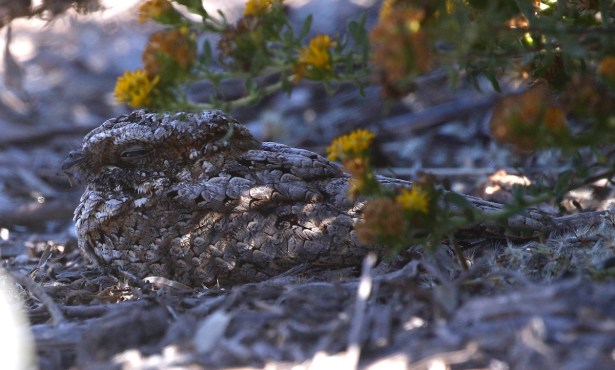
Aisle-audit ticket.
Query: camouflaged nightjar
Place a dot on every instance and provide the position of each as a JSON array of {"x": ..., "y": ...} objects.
[{"x": 197, "y": 199}]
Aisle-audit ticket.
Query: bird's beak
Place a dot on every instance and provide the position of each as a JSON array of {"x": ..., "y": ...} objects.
[{"x": 74, "y": 157}]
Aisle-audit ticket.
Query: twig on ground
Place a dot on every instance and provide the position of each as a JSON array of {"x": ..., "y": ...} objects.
[
  {"x": 358, "y": 320},
  {"x": 97, "y": 310},
  {"x": 444, "y": 359},
  {"x": 42, "y": 135},
  {"x": 34, "y": 182},
  {"x": 35, "y": 213},
  {"x": 407, "y": 124},
  {"x": 37, "y": 290}
]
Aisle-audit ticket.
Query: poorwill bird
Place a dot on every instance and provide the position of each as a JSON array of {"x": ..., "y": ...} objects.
[{"x": 197, "y": 199}]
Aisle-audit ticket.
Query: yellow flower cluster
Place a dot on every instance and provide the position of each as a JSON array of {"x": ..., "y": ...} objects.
[
  {"x": 606, "y": 68},
  {"x": 383, "y": 222},
  {"x": 352, "y": 149},
  {"x": 400, "y": 45},
  {"x": 355, "y": 185},
  {"x": 315, "y": 56},
  {"x": 414, "y": 199},
  {"x": 135, "y": 88},
  {"x": 521, "y": 119},
  {"x": 353, "y": 144},
  {"x": 386, "y": 9},
  {"x": 317, "y": 53},
  {"x": 258, "y": 7},
  {"x": 153, "y": 9},
  {"x": 586, "y": 95},
  {"x": 177, "y": 45}
]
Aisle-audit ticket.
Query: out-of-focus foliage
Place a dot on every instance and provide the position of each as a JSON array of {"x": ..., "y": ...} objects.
[
  {"x": 560, "y": 54},
  {"x": 262, "y": 48},
  {"x": 11, "y": 9},
  {"x": 565, "y": 47}
]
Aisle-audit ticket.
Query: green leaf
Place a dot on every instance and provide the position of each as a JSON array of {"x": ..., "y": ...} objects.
[
  {"x": 357, "y": 30},
  {"x": 606, "y": 11},
  {"x": 288, "y": 37},
  {"x": 194, "y": 6},
  {"x": 564, "y": 182},
  {"x": 206, "y": 54},
  {"x": 460, "y": 201},
  {"x": 287, "y": 85},
  {"x": 491, "y": 76},
  {"x": 562, "y": 5},
  {"x": 305, "y": 27},
  {"x": 222, "y": 16},
  {"x": 474, "y": 81},
  {"x": 527, "y": 8},
  {"x": 251, "y": 85}
]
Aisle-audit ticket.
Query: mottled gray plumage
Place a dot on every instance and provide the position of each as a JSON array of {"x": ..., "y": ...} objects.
[{"x": 197, "y": 199}]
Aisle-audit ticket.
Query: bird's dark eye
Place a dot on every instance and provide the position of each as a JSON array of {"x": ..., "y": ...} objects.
[{"x": 135, "y": 152}]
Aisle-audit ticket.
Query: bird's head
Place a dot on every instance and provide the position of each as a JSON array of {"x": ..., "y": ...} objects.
[{"x": 143, "y": 145}]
